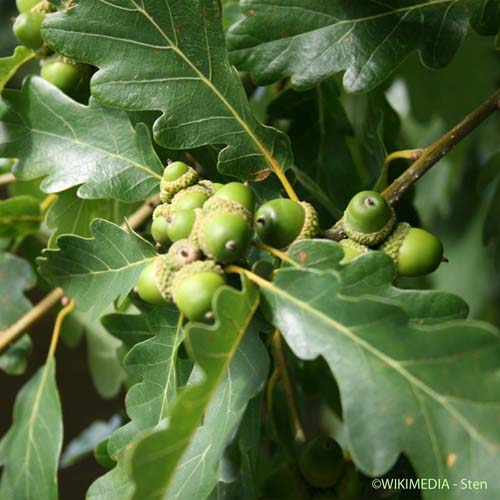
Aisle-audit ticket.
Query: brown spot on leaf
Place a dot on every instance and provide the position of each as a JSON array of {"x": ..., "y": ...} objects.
[
  {"x": 262, "y": 175},
  {"x": 302, "y": 256},
  {"x": 409, "y": 420},
  {"x": 451, "y": 458}
]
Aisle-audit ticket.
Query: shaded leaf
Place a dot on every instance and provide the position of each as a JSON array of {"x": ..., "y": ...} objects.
[
  {"x": 83, "y": 444},
  {"x": 443, "y": 374},
  {"x": 9, "y": 65},
  {"x": 19, "y": 216},
  {"x": 14, "y": 359},
  {"x": 71, "y": 144},
  {"x": 109, "y": 265},
  {"x": 310, "y": 40},
  {"x": 104, "y": 361},
  {"x": 31, "y": 447},
  {"x": 321, "y": 149},
  {"x": 155, "y": 457},
  {"x": 184, "y": 73},
  {"x": 153, "y": 361},
  {"x": 16, "y": 276}
]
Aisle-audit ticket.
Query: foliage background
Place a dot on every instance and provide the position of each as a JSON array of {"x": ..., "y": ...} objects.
[{"x": 453, "y": 200}]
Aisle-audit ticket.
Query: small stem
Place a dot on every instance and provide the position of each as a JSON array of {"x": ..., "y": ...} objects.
[
  {"x": 7, "y": 179},
  {"x": 433, "y": 153},
  {"x": 271, "y": 384},
  {"x": 275, "y": 252},
  {"x": 53, "y": 298},
  {"x": 429, "y": 157},
  {"x": 404, "y": 154},
  {"x": 280, "y": 358},
  {"x": 47, "y": 202},
  {"x": 67, "y": 309}
]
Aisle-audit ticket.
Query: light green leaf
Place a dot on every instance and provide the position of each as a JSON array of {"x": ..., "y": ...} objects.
[
  {"x": 71, "y": 144},
  {"x": 16, "y": 276},
  {"x": 30, "y": 449},
  {"x": 154, "y": 458},
  {"x": 442, "y": 372},
  {"x": 184, "y": 73},
  {"x": 201, "y": 467},
  {"x": 19, "y": 216},
  {"x": 310, "y": 40},
  {"x": 9, "y": 65},
  {"x": 153, "y": 361},
  {"x": 129, "y": 328},
  {"x": 96, "y": 271}
]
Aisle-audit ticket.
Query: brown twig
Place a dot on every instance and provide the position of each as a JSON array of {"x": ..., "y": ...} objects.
[
  {"x": 55, "y": 297},
  {"x": 280, "y": 359},
  {"x": 6, "y": 179},
  {"x": 429, "y": 157}
]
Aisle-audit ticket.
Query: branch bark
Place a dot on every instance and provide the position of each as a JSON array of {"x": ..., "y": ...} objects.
[
  {"x": 53, "y": 298},
  {"x": 429, "y": 157},
  {"x": 6, "y": 179}
]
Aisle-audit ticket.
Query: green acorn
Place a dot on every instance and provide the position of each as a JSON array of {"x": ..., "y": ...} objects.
[
  {"x": 176, "y": 177},
  {"x": 321, "y": 462},
  {"x": 159, "y": 231},
  {"x": 280, "y": 222},
  {"x": 368, "y": 218},
  {"x": 224, "y": 236},
  {"x": 194, "y": 286},
  {"x": 414, "y": 251},
  {"x": 147, "y": 287},
  {"x": 239, "y": 193},
  {"x": 62, "y": 72},
  {"x": 216, "y": 204},
  {"x": 352, "y": 250},
  {"x": 27, "y": 29},
  {"x": 180, "y": 223},
  {"x": 190, "y": 198}
]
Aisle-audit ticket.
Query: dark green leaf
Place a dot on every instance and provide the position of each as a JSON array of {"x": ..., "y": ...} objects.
[
  {"x": 310, "y": 40},
  {"x": 30, "y": 450},
  {"x": 19, "y": 216},
  {"x": 108, "y": 265},
  {"x": 71, "y": 144},
  {"x": 16, "y": 276},
  {"x": 441, "y": 372},
  {"x": 321, "y": 149},
  {"x": 213, "y": 348},
  {"x": 184, "y": 73}
]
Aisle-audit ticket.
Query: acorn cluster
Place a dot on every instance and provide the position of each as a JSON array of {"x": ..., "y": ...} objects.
[
  {"x": 370, "y": 224},
  {"x": 62, "y": 72},
  {"x": 206, "y": 226}
]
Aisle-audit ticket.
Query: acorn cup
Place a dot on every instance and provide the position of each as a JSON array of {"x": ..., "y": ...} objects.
[
  {"x": 368, "y": 218},
  {"x": 280, "y": 222},
  {"x": 176, "y": 177},
  {"x": 415, "y": 252},
  {"x": 352, "y": 250}
]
